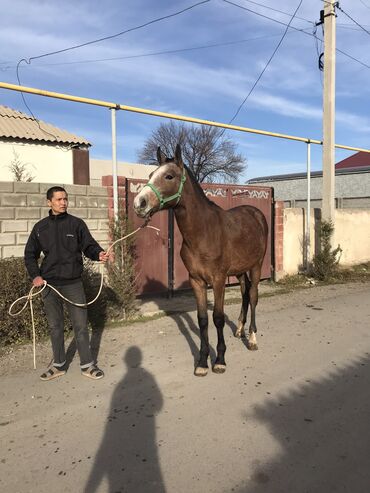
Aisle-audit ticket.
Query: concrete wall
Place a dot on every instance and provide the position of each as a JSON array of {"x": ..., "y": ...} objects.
[
  {"x": 45, "y": 162},
  {"x": 23, "y": 204},
  {"x": 293, "y": 241},
  {"x": 352, "y": 233}
]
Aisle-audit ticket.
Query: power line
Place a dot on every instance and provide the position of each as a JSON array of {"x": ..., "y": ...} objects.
[
  {"x": 353, "y": 20},
  {"x": 155, "y": 53},
  {"x": 319, "y": 53},
  {"x": 268, "y": 62},
  {"x": 364, "y": 4},
  {"x": 120, "y": 33},
  {"x": 93, "y": 42},
  {"x": 276, "y": 10},
  {"x": 349, "y": 26},
  {"x": 261, "y": 15},
  {"x": 352, "y": 58},
  {"x": 28, "y": 61},
  {"x": 296, "y": 29}
]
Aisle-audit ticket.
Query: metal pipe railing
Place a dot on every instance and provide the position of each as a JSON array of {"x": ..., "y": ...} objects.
[{"x": 133, "y": 109}]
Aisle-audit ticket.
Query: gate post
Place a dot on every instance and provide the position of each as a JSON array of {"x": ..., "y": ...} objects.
[
  {"x": 171, "y": 245},
  {"x": 279, "y": 240}
]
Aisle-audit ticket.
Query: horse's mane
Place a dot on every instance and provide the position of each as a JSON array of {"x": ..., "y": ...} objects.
[{"x": 198, "y": 189}]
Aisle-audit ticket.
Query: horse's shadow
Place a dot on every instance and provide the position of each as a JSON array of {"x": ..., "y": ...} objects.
[{"x": 179, "y": 311}]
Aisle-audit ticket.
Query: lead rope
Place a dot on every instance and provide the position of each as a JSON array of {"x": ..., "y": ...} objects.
[{"x": 32, "y": 295}]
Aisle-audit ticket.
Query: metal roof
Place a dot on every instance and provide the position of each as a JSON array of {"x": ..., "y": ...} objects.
[
  {"x": 360, "y": 159},
  {"x": 303, "y": 176},
  {"x": 17, "y": 125}
]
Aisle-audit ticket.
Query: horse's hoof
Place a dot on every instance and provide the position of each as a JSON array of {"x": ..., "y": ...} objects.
[
  {"x": 218, "y": 368},
  {"x": 252, "y": 346},
  {"x": 200, "y": 371},
  {"x": 240, "y": 335}
]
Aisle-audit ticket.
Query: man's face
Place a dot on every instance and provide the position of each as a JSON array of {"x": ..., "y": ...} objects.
[{"x": 58, "y": 202}]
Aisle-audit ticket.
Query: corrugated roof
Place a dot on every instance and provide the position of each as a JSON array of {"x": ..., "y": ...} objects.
[
  {"x": 303, "y": 176},
  {"x": 17, "y": 125}
]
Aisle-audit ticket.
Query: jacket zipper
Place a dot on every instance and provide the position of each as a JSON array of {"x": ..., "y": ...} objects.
[{"x": 57, "y": 246}]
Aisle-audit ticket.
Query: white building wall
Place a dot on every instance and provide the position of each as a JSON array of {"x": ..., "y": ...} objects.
[
  {"x": 46, "y": 163},
  {"x": 103, "y": 167}
]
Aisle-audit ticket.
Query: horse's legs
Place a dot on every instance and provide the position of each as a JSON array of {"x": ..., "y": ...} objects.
[
  {"x": 245, "y": 285},
  {"x": 200, "y": 292},
  {"x": 219, "y": 321},
  {"x": 255, "y": 275}
]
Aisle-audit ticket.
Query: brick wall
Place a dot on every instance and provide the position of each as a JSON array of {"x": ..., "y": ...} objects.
[
  {"x": 107, "y": 182},
  {"x": 279, "y": 239},
  {"x": 23, "y": 204}
]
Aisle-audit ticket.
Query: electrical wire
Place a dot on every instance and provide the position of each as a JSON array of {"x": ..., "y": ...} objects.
[
  {"x": 28, "y": 61},
  {"x": 319, "y": 53},
  {"x": 158, "y": 19},
  {"x": 262, "y": 15},
  {"x": 268, "y": 62},
  {"x": 352, "y": 19},
  {"x": 296, "y": 29},
  {"x": 364, "y": 4},
  {"x": 276, "y": 10},
  {"x": 155, "y": 53}
]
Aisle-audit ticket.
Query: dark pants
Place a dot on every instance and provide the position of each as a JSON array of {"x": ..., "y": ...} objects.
[{"x": 53, "y": 305}]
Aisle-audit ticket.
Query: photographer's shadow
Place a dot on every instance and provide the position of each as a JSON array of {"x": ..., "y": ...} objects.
[{"x": 128, "y": 454}]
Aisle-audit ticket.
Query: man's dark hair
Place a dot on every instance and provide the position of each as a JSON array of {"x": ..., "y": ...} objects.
[{"x": 50, "y": 192}]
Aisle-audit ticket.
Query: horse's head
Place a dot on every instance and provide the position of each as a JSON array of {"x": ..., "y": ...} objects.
[{"x": 164, "y": 188}]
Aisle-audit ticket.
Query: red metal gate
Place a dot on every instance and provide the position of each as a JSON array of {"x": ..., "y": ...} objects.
[
  {"x": 151, "y": 248},
  {"x": 159, "y": 267}
]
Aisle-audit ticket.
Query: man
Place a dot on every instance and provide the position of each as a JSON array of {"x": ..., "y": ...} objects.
[{"x": 63, "y": 238}]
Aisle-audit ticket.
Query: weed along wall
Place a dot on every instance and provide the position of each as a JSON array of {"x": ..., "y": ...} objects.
[{"x": 23, "y": 204}]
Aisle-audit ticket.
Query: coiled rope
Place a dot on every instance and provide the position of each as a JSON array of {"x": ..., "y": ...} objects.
[{"x": 29, "y": 297}]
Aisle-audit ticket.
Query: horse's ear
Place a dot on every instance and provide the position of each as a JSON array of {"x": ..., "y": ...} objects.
[
  {"x": 160, "y": 156},
  {"x": 178, "y": 157}
]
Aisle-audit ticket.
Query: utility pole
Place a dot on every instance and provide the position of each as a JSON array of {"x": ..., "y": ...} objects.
[{"x": 328, "y": 17}]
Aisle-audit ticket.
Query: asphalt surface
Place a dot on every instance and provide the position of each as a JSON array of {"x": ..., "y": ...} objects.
[{"x": 292, "y": 417}]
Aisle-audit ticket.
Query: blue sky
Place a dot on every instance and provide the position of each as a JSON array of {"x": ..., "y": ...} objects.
[{"x": 208, "y": 83}]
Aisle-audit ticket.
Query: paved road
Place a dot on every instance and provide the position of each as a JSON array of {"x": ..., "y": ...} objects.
[{"x": 292, "y": 417}]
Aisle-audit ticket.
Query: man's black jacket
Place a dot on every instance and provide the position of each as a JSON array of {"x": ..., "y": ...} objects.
[{"x": 62, "y": 238}]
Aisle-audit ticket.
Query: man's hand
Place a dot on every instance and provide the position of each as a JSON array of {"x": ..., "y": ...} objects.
[
  {"x": 104, "y": 256},
  {"x": 38, "y": 281}
]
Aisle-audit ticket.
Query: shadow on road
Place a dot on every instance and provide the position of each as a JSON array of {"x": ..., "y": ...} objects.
[
  {"x": 323, "y": 430},
  {"x": 190, "y": 330},
  {"x": 128, "y": 455}
]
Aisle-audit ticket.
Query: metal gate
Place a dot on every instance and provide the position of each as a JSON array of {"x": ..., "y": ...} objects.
[{"x": 159, "y": 268}]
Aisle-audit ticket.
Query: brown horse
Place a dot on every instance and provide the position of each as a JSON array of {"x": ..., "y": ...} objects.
[{"x": 216, "y": 243}]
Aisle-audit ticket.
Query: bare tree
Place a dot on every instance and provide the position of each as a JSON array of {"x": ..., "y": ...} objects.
[
  {"x": 209, "y": 155},
  {"x": 19, "y": 169}
]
